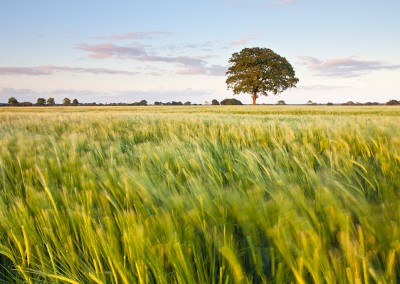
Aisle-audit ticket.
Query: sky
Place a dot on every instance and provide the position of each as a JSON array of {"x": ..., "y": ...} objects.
[{"x": 156, "y": 50}]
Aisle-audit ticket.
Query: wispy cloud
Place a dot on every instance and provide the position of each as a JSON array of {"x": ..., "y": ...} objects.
[
  {"x": 189, "y": 65},
  {"x": 318, "y": 87},
  {"x": 243, "y": 40},
  {"x": 107, "y": 50},
  {"x": 51, "y": 69},
  {"x": 345, "y": 67},
  {"x": 27, "y": 94},
  {"x": 136, "y": 35},
  {"x": 206, "y": 46}
]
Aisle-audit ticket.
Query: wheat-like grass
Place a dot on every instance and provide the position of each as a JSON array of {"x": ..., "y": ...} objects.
[{"x": 200, "y": 195}]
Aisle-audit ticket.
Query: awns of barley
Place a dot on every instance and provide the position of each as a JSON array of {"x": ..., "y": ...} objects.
[{"x": 239, "y": 196}]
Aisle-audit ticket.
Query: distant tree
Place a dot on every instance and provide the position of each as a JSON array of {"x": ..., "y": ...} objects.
[
  {"x": 143, "y": 103},
  {"x": 393, "y": 103},
  {"x": 41, "y": 102},
  {"x": 214, "y": 102},
  {"x": 309, "y": 102},
  {"x": 67, "y": 102},
  {"x": 329, "y": 104},
  {"x": 158, "y": 103},
  {"x": 51, "y": 102},
  {"x": 231, "y": 102},
  {"x": 281, "y": 102},
  {"x": 12, "y": 101},
  {"x": 75, "y": 102},
  {"x": 350, "y": 103},
  {"x": 259, "y": 71},
  {"x": 187, "y": 103}
]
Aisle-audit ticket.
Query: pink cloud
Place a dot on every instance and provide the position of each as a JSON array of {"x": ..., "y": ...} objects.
[
  {"x": 244, "y": 40},
  {"x": 50, "y": 70},
  {"x": 107, "y": 50},
  {"x": 345, "y": 67},
  {"x": 136, "y": 35},
  {"x": 188, "y": 65}
]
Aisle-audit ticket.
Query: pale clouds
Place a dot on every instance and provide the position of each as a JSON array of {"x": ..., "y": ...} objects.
[
  {"x": 27, "y": 94},
  {"x": 243, "y": 40},
  {"x": 108, "y": 50},
  {"x": 188, "y": 65},
  {"x": 51, "y": 69},
  {"x": 345, "y": 67},
  {"x": 136, "y": 35},
  {"x": 320, "y": 87}
]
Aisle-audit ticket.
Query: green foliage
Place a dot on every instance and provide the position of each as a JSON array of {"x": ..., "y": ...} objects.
[
  {"x": 51, "y": 102},
  {"x": 200, "y": 195},
  {"x": 231, "y": 102},
  {"x": 214, "y": 102},
  {"x": 12, "y": 101},
  {"x": 259, "y": 71},
  {"x": 67, "y": 102},
  {"x": 75, "y": 102},
  {"x": 393, "y": 103},
  {"x": 41, "y": 102}
]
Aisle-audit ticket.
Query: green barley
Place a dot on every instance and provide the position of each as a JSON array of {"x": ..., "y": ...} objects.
[{"x": 200, "y": 195}]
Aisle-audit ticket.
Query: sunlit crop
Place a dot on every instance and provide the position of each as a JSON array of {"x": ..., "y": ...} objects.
[{"x": 200, "y": 195}]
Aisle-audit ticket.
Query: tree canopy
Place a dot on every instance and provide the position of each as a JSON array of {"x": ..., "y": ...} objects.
[
  {"x": 51, "y": 102},
  {"x": 75, "y": 102},
  {"x": 214, "y": 102},
  {"x": 13, "y": 101},
  {"x": 41, "y": 102},
  {"x": 67, "y": 101},
  {"x": 231, "y": 102},
  {"x": 259, "y": 71}
]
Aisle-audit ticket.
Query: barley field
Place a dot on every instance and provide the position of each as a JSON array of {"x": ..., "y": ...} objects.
[{"x": 200, "y": 194}]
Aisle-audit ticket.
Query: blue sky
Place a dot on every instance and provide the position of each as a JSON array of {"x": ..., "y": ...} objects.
[{"x": 126, "y": 51}]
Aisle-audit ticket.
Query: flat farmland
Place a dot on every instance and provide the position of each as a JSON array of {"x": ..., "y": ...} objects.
[{"x": 200, "y": 194}]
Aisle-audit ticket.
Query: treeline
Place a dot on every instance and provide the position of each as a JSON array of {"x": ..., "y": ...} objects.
[
  {"x": 68, "y": 102},
  {"x": 349, "y": 103},
  {"x": 389, "y": 103}
]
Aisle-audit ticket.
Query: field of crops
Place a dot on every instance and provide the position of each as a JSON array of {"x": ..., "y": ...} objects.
[{"x": 201, "y": 194}]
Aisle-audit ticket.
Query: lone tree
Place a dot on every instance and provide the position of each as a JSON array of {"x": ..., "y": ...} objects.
[
  {"x": 41, "y": 102},
  {"x": 51, "y": 102},
  {"x": 67, "y": 101},
  {"x": 214, "y": 102},
  {"x": 259, "y": 71},
  {"x": 75, "y": 102},
  {"x": 13, "y": 101},
  {"x": 231, "y": 102}
]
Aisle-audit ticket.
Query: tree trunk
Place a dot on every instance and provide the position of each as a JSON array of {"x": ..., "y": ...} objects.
[{"x": 254, "y": 97}]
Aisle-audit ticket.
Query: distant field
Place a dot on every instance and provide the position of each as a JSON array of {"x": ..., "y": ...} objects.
[
  {"x": 200, "y": 194},
  {"x": 245, "y": 109}
]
